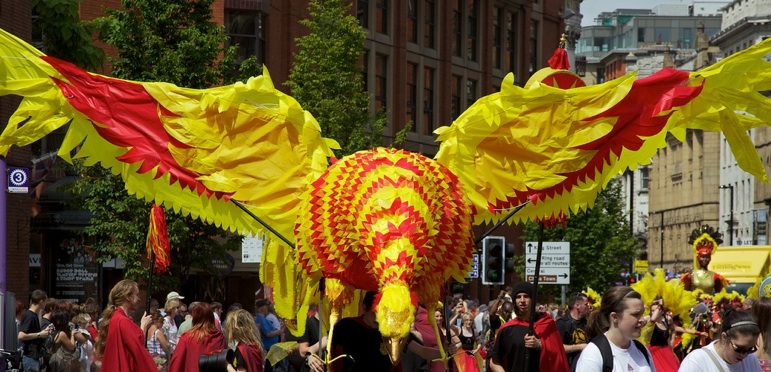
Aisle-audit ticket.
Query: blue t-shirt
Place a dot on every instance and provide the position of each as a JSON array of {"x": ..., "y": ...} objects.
[{"x": 266, "y": 327}]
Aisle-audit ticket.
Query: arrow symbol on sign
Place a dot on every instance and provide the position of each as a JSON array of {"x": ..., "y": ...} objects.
[
  {"x": 530, "y": 248},
  {"x": 564, "y": 275}
]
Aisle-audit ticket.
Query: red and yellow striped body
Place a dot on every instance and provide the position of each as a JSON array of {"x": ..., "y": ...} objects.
[{"x": 383, "y": 217}]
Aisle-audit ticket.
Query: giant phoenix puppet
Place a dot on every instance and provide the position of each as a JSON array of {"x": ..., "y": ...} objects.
[{"x": 383, "y": 219}]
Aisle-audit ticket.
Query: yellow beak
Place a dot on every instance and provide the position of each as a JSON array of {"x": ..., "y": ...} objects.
[{"x": 395, "y": 346}]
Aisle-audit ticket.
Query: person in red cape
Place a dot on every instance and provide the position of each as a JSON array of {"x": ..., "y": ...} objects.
[
  {"x": 513, "y": 340},
  {"x": 121, "y": 343},
  {"x": 203, "y": 338},
  {"x": 241, "y": 330}
]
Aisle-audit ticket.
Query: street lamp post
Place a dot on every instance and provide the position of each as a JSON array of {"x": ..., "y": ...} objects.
[
  {"x": 661, "y": 227},
  {"x": 731, "y": 221}
]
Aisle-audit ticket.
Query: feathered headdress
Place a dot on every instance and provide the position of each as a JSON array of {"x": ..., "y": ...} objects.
[
  {"x": 595, "y": 299},
  {"x": 723, "y": 297},
  {"x": 676, "y": 298},
  {"x": 754, "y": 291},
  {"x": 704, "y": 240}
]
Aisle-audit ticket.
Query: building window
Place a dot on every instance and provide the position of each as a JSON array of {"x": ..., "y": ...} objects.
[
  {"x": 471, "y": 92},
  {"x": 472, "y": 31},
  {"x": 644, "y": 180},
  {"x": 430, "y": 24},
  {"x": 497, "y": 36},
  {"x": 365, "y": 71},
  {"x": 412, "y": 21},
  {"x": 533, "y": 46},
  {"x": 457, "y": 25},
  {"x": 412, "y": 95},
  {"x": 662, "y": 34},
  {"x": 511, "y": 45},
  {"x": 641, "y": 35},
  {"x": 428, "y": 101},
  {"x": 456, "y": 90},
  {"x": 687, "y": 38},
  {"x": 600, "y": 75},
  {"x": 382, "y": 17},
  {"x": 245, "y": 29},
  {"x": 381, "y": 81},
  {"x": 362, "y": 13}
]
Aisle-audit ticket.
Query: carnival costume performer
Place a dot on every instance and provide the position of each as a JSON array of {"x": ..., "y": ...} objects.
[
  {"x": 705, "y": 241},
  {"x": 661, "y": 297}
]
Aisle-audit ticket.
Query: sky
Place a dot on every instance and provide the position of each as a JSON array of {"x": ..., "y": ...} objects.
[{"x": 591, "y": 8}]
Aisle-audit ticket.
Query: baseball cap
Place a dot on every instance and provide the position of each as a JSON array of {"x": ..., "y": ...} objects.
[{"x": 173, "y": 296}]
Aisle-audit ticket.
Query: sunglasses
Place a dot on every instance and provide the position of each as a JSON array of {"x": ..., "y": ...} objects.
[{"x": 743, "y": 350}]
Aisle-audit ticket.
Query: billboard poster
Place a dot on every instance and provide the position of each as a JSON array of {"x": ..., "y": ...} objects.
[{"x": 76, "y": 272}]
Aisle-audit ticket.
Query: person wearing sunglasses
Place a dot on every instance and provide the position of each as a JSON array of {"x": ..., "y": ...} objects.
[{"x": 733, "y": 351}]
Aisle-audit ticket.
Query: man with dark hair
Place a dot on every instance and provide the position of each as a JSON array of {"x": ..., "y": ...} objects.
[
  {"x": 516, "y": 339},
  {"x": 188, "y": 323},
  {"x": 217, "y": 308},
  {"x": 571, "y": 326},
  {"x": 31, "y": 335}
]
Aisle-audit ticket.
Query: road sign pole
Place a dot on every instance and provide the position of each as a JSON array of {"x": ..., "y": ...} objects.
[{"x": 564, "y": 288}]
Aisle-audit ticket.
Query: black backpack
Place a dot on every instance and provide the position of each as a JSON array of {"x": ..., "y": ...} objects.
[{"x": 607, "y": 355}]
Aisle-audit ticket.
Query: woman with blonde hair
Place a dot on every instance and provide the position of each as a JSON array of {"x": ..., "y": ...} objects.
[
  {"x": 170, "y": 329},
  {"x": 121, "y": 343},
  {"x": 204, "y": 337},
  {"x": 469, "y": 343},
  {"x": 242, "y": 331}
]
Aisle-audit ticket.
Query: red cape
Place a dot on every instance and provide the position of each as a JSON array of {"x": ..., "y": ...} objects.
[
  {"x": 429, "y": 337},
  {"x": 185, "y": 357},
  {"x": 553, "y": 357},
  {"x": 252, "y": 356},
  {"x": 124, "y": 350}
]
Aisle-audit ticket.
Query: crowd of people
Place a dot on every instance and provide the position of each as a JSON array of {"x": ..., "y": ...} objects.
[
  {"x": 657, "y": 325},
  {"x": 58, "y": 335}
]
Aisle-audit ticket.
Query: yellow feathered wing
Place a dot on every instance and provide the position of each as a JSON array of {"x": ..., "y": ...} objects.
[
  {"x": 560, "y": 147},
  {"x": 247, "y": 141}
]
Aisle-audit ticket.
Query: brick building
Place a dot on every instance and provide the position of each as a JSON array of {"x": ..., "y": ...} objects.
[
  {"x": 15, "y": 17},
  {"x": 425, "y": 61}
]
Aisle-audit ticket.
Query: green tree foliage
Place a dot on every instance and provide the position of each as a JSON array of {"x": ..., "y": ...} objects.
[
  {"x": 601, "y": 245},
  {"x": 65, "y": 36},
  {"x": 326, "y": 78},
  {"x": 158, "y": 40}
]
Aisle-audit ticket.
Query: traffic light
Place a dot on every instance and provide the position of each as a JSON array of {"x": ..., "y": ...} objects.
[
  {"x": 493, "y": 256},
  {"x": 510, "y": 263}
]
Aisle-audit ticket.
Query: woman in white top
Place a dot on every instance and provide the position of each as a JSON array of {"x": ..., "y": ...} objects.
[
  {"x": 169, "y": 325},
  {"x": 157, "y": 344},
  {"x": 620, "y": 320},
  {"x": 733, "y": 350}
]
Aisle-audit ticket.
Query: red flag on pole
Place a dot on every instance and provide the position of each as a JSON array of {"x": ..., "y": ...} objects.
[{"x": 158, "y": 240}]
